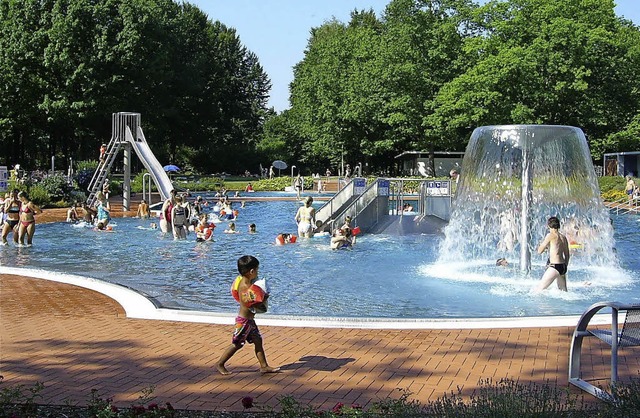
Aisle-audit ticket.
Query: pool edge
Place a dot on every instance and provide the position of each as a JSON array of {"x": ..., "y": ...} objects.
[{"x": 140, "y": 306}]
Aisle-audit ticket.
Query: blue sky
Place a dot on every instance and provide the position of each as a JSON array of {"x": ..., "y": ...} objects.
[{"x": 278, "y": 30}]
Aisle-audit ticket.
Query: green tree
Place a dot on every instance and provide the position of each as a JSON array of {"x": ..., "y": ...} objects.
[
  {"x": 66, "y": 65},
  {"x": 544, "y": 62}
]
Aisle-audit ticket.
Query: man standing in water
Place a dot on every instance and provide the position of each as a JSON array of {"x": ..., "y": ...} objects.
[{"x": 558, "y": 256}]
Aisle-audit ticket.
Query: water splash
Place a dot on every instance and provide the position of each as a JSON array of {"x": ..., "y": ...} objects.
[{"x": 513, "y": 179}]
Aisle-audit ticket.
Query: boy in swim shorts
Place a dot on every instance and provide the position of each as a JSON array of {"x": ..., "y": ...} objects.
[
  {"x": 558, "y": 246},
  {"x": 246, "y": 330}
]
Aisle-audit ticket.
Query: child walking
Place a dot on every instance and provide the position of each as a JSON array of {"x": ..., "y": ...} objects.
[{"x": 246, "y": 329}]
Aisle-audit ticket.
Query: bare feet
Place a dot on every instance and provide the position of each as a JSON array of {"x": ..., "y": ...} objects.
[
  {"x": 222, "y": 370},
  {"x": 264, "y": 370}
]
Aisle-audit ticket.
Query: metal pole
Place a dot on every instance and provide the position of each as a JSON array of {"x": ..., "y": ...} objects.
[
  {"x": 526, "y": 198},
  {"x": 126, "y": 185}
]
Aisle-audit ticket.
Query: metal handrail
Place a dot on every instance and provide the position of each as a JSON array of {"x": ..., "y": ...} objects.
[{"x": 622, "y": 206}]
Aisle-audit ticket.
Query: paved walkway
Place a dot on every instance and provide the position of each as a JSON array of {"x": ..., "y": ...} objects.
[{"x": 75, "y": 340}]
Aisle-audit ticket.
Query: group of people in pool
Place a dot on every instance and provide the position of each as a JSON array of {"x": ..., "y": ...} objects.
[
  {"x": 179, "y": 216},
  {"x": 99, "y": 215},
  {"x": 17, "y": 216},
  {"x": 342, "y": 237}
]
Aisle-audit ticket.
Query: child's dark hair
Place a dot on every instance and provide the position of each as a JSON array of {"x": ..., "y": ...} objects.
[
  {"x": 246, "y": 263},
  {"x": 553, "y": 222}
]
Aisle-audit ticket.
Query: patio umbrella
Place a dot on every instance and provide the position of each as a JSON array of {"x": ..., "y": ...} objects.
[
  {"x": 171, "y": 167},
  {"x": 279, "y": 164}
]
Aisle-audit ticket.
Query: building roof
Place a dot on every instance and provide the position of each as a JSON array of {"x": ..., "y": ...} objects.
[
  {"x": 436, "y": 153},
  {"x": 622, "y": 153}
]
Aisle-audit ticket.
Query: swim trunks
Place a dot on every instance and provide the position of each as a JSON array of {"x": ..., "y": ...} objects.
[
  {"x": 560, "y": 267},
  {"x": 246, "y": 331}
]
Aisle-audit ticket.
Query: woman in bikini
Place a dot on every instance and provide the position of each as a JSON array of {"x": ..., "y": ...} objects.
[
  {"x": 27, "y": 218},
  {"x": 306, "y": 218},
  {"x": 12, "y": 211}
]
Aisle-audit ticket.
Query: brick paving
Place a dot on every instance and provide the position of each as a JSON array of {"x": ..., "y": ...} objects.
[{"x": 74, "y": 340}]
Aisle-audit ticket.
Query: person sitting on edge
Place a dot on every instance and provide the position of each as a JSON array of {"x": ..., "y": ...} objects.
[
  {"x": 558, "y": 256},
  {"x": 246, "y": 330},
  {"x": 72, "y": 214}
]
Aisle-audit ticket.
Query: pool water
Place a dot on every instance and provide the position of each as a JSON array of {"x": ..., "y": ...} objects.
[{"x": 386, "y": 276}]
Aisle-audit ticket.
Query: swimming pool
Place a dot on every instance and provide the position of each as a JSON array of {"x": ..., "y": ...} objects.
[{"x": 385, "y": 276}]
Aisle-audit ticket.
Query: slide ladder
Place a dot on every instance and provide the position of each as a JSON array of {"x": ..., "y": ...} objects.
[
  {"x": 104, "y": 165},
  {"x": 123, "y": 125}
]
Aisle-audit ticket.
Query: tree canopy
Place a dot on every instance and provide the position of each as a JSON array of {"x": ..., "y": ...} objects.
[
  {"x": 427, "y": 72},
  {"x": 421, "y": 76},
  {"x": 66, "y": 65}
]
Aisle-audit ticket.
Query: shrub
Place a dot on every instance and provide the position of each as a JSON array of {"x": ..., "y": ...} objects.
[
  {"x": 83, "y": 178},
  {"x": 628, "y": 400},
  {"x": 39, "y": 195},
  {"x": 277, "y": 183},
  {"x": 614, "y": 195},
  {"x": 57, "y": 186},
  {"x": 90, "y": 165},
  {"x": 608, "y": 183}
]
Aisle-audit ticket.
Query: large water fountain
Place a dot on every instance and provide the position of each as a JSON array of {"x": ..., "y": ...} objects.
[{"x": 513, "y": 179}]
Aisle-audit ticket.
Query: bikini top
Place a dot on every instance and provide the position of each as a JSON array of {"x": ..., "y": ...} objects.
[
  {"x": 14, "y": 207},
  {"x": 25, "y": 209}
]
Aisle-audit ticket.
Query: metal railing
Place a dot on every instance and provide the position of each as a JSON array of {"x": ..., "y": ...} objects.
[
  {"x": 333, "y": 205},
  {"x": 624, "y": 206}
]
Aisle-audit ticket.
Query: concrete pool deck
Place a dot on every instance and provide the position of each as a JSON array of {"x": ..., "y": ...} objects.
[{"x": 74, "y": 340}]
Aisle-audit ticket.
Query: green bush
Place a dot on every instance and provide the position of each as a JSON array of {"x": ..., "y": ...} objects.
[
  {"x": 275, "y": 184},
  {"x": 57, "y": 186},
  {"x": 90, "y": 165},
  {"x": 614, "y": 195},
  {"x": 40, "y": 196},
  {"x": 201, "y": 184},
  {"x": 609, "y": 183}
]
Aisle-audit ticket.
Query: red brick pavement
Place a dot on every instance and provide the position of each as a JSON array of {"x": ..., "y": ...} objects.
[{"x": 75, "y": 340}]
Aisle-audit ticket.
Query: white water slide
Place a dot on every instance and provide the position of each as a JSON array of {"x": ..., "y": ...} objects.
[{"x": 151, "y": 163}]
